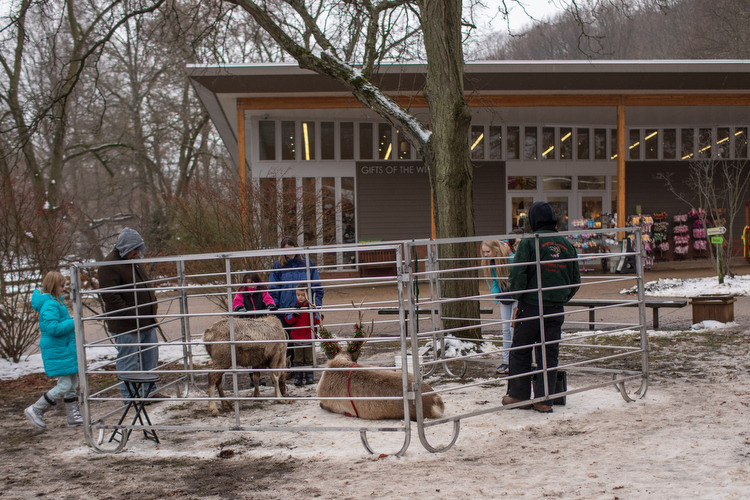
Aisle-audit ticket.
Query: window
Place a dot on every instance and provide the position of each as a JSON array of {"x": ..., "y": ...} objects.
[
  {"x": 347, "y": 140},
  {"x": 385, "y": 141},
  {"x": 591, "y": 207},
  {"x": 404, "y": 147},
  {"x": 327, "y": 141},
  {"x": 651, "y": 144},
  {"x": 557, "y": 183},
  {"x": 288, "y": 142},
  {"x": 328, "y": 199},
  {"x": 309, "y": 212},
  {"x": 518, "y": 211},
  {"x": 308, "y": 141},
  {"x": 289, "y": 205},
  {"x": 529, "y": 143},
  {"x": 524, "y": 183},
  {"x": 548, "y": 143},
  {"x": 365, "y": 141},
  {"x": 496, "y": 142},
  {"x": 705, "y": 140},
  {"x": 269, "y": 211},
  {"x": 477, "y": 142},
  {"x": 634, "y": 144},
  {"x": 613, "y": 143},
  {"x": 669, "y": 144},
  {"x": 591, "y": 182},
  {"x": 560, "y": 205},
  {"x": 740, "y": 142},
  {"x": 267, "y": 140},
  {"x": 722, "y": 142},
  {"x": 600, "y": 144},
  {"x": 582, "y": 134},
  {"x": 687, "y": 143},
  {"x": 613, "y": 193},
  {"x": 348, "y": 221},
  {"x": 566, "y": 143},
  {"x": 514, "y": 142}
]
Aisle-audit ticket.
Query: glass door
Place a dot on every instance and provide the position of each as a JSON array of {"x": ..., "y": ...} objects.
[
  {"x": 591, "y": 206},
  {"x": 591, "y": 198},
  {"x": 519, "y": 211},
  {"x": 560, "y": 205}
]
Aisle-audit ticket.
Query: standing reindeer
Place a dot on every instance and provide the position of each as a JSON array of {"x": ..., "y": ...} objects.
[
  {"x": 255, "y": 355},
  {"x": 354, "y": 383}
]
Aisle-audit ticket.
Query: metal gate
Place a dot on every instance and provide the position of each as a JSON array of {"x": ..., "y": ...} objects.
[{"x": 409, "y": 330}]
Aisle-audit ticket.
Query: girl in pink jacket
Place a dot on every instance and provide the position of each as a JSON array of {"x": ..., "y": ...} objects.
[{"x": 250, "y": 299}]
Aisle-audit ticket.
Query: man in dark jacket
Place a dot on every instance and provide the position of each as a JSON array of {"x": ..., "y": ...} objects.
[
  {"x": 559, "y": 279},
  {"x": 130, "y": 312}
]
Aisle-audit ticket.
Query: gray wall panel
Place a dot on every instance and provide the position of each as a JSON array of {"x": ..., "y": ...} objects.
[{"x": 393, "y": 200}]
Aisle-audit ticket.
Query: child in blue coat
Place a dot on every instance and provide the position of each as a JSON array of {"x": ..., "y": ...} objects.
[{"x": 58, "y": 345}]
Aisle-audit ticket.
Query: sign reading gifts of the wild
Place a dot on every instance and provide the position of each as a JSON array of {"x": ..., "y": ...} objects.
[{"x": 393, "y": 199}]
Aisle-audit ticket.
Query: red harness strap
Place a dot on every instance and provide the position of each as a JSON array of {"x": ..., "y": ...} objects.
[{"x": 350, "y": 394}]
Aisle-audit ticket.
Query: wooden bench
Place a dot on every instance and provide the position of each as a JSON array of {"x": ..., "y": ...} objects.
[
  {"x": 377, "y": 262},
  {"x": 655, "y": 305},
  {"x": 394, "y": 310}
]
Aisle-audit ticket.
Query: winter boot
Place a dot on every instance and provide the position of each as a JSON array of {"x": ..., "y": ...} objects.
[
  {"x": 298, "y": 379},
  {"x": 36, "y": 411},
  {"x": 74, "y": 413},
  {"x": 309, "y": 378}
]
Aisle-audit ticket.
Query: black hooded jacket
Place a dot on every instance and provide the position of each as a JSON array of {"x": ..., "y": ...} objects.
[{"x": 552, "y": 248}]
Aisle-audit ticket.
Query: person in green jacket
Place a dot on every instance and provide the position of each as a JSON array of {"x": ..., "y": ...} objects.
[{"x": 560, "y": 278}]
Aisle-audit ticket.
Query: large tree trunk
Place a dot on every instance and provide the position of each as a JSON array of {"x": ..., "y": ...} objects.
[{"x": 448, "y": 156}]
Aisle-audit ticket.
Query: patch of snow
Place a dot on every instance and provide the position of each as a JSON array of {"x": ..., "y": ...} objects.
[
  {"x": 738, "y": 285},
  {"x": 710, "y": 324}
]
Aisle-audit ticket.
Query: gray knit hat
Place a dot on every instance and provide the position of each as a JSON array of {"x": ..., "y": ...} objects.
[{"x": 128, "y": 241}]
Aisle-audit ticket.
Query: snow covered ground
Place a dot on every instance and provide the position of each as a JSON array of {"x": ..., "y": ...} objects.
[{"x": 686, "y": 439}]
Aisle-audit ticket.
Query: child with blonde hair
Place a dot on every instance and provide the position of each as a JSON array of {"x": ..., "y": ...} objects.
[{"x": 58, "y": 345}]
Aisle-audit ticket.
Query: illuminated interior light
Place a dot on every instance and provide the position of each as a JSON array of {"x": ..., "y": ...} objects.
[
  {"x": 687, "y": 156},
  {"x": 479, "y": 139},
  {"x": 613, "y": 157},
  {"x": 548, "y": 151},
  {"x": 702, "y": 150},
  {"x": 739, "y": 132},
  {"x": 388, "y": 153},
  {"x": 566, "y": 136},
  {"x": 723, "y": 140},
  {"x": 635, "y": 145},
  {"x": 307, "y": 143},
  {"x": 650, "y": 136}
]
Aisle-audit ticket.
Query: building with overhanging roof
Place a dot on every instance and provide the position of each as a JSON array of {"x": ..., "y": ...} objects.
[{"x": 588, "y": 137}]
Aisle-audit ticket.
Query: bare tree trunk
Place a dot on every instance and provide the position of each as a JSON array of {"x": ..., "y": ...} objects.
[{"x": 448, "y": 160}]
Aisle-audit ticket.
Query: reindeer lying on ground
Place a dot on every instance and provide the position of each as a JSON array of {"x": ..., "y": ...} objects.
[
  {"x": 255, "y": 355},
  {"x": 355, "y": 383}
]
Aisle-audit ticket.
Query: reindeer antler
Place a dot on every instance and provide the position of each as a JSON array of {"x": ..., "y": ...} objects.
[
  {"x": 355, "y": 346},
  {"x": 331, "y": 349}
]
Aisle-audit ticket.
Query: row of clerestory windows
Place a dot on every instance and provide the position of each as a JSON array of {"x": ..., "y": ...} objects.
[{"x": 291, "y": 140}]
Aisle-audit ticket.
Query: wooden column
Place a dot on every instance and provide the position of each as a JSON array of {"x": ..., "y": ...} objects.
[{"x": 621, "y": 152}]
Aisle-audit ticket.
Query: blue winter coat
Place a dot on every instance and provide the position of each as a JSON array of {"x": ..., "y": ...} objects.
[
  {"x": 285, "y": 293},
  {"x": 58, "y": 341}
]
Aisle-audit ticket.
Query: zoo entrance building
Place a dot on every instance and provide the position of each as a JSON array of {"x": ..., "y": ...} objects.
[{"x": 593, "y": 139}]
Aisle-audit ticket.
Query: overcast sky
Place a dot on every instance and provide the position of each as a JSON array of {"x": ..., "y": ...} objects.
[{"x": 491, "y": 20}]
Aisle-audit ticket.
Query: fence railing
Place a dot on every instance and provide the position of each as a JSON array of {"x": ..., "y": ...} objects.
[{"x": 407, "y": 323}]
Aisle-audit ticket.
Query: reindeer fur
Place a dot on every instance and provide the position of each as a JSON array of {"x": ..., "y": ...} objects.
[
  {"x": 256, "y": 355},
  {"x": 371, "y": 383}
]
